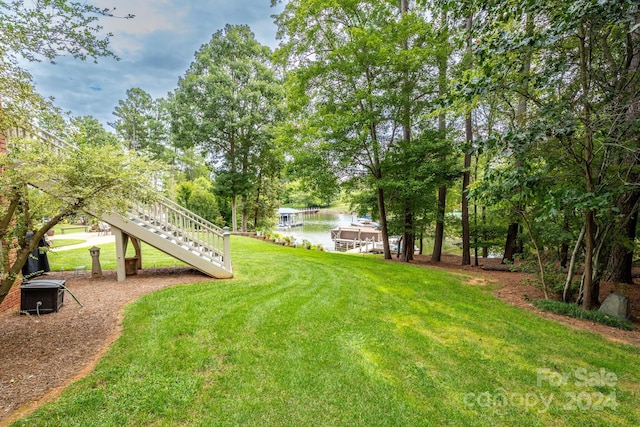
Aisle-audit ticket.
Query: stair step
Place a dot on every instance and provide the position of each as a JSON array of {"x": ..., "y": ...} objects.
[{"x": 181, "y": 241}]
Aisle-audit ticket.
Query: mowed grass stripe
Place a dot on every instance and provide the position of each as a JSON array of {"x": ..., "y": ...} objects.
[{"x": 308, "y": 338}]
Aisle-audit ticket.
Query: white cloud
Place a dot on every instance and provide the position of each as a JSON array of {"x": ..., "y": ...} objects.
[
  {"x": 150, "y": 16},
  {"x": 156, "y": 48}
]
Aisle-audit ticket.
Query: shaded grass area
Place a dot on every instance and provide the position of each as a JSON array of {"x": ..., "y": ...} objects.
[
  {"x": 574, "y": 310},
  {"x": 311, "y": 338},
  {"x": 58, "y": 243},
  {"x": 69, "y": 259}
]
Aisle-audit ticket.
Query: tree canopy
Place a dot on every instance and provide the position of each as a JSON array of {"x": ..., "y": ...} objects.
[
  {"x": 45, "y": 185},
  {"x": 361, "y": 84},
  {"x": 532, "y": 106},
  {"x": 226, "y": 104}
]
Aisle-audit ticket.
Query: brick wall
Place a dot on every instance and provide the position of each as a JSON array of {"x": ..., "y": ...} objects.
[{"x": 13, "y": 298}]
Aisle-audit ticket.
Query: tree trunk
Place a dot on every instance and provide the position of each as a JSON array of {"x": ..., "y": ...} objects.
[
  {"x": 590, "y": 224},
  {"x": 245, "y": 214},
  {"x": 383, "y": 224},
  {"x": 13, "y": 270},
  {"x": 234, "y": 213},
  {"x": 485, "y": 237},
  {"x": 257, "y": 202},
  {"x": 587, "y": 277},
  {"x": 409, "y": 226},
  {"x": 408, "y": 237},
  {"x": 621, "y": 258},
  {"x": 563, "y": 256},
  {"x": 466, "y": 253},
  {"x": 510, "y": 245},
  {"x": 439, "y": 237},
  {"x": 475, "y": 235},
  {"x": 466, "y": 239},
  {"x": 442, "y": 128},
  {"x": 475, "y": 215},
  {"x": 572, "y": 266}
]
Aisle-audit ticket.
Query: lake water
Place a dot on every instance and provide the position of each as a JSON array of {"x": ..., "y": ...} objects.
[{"x": 317, "y": 228}]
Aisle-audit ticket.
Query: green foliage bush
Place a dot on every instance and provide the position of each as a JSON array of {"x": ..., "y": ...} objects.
[
  {"x": 197, "y": 196},
  {"x": 573, "y": 310}
]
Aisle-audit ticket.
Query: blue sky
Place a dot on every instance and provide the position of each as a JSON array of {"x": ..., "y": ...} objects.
[{"x": 156, "y": 48}]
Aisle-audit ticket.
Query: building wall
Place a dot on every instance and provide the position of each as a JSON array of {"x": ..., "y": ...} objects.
[{"x": 13, "y": 298}]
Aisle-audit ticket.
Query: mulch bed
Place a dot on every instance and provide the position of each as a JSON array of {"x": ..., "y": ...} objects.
[{"x": 40, "y": 355}]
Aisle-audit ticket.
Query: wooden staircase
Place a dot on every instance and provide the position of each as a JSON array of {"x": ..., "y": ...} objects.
[{"x": 163, "y": 224}]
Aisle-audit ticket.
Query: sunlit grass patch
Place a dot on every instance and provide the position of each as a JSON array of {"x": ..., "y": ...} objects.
[
  {"x": 311, "y": 338},
  {"x": 68, "y": 259},
  {"x": 59, "y": 243}
]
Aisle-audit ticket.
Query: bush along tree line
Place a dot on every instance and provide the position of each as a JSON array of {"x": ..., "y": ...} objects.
[{"x": 507, "y": 125}]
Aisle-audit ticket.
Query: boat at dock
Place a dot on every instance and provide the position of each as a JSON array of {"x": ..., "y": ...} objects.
[{"x": 365, "y": 221}]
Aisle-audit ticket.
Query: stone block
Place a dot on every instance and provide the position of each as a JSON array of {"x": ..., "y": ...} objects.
[{"x": 617, "y": 305}]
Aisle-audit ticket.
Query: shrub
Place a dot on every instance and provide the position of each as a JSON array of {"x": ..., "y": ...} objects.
[{"x": 573, "y": 310}]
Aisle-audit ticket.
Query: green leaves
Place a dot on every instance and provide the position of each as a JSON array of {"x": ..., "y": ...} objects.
[
  {"x": 139, "y": 122},
  {"x": 46, "y": 29},
  {"x": 44, "y": 185},
  {"x": 226, "y": 105},
  {"x": 37, "y": 30}
]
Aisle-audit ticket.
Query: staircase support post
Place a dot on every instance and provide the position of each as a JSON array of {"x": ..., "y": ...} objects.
[
  {"x": 227, "y": 250},
  {"x": 120, "y": 253},
  {"x": 136, "y": 245}
]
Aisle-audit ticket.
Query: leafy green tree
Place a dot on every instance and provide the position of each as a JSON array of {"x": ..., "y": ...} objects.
[
  {"x": 299, "y": 195},
  {"x": 198, "y": 197},
  {"x": 226, "y": 105},
  {"x": 582, "y": 96},
  {"x": 361, "y": 79},
  {"x": 50, "y": 186},
  {"x": 443, "y": 54},
  {"x": 412, "y": 177},
  {"x": 337, "y": 76},
  {"x": 43, "y": 30},
  {"x": 90, "y": 131},
  {"x": 138, "y": 122}
]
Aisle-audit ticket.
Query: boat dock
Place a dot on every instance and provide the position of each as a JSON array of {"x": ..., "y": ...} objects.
[
  {"x": 352, "y": 238},
  {"x": 289, "y": 218}
]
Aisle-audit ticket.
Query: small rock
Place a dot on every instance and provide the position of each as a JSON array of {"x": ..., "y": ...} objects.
[{"x": 617, "y": 305}]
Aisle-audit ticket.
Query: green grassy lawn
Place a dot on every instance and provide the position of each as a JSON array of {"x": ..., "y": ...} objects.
[
  {"x": 69, "y": 259},
  {"x": 448, "y": 247},
  {"x": 58, "y": 243},
  {"x": 302, "y": 338}
]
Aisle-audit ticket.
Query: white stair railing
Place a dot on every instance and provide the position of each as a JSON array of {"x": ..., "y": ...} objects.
[
  {"x": 162, "y": 216},
  {"x": 58, "y": 145},
  {"x": 183, "y": 227}
]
